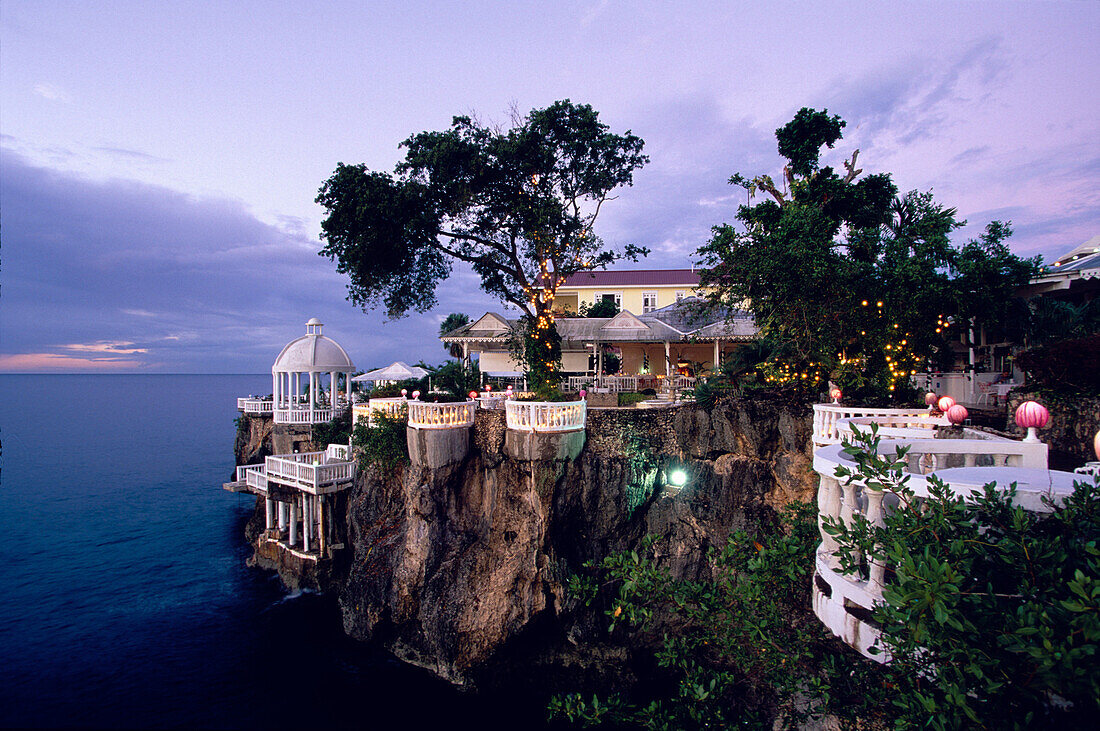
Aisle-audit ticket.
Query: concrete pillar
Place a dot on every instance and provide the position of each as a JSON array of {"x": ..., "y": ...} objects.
[
  {"x": 274, "y": 388},
  {"x": 668, "y": 360},
  {"x": 717, "y": 354},
  {"x": 294, "y": 522},
  {"x": 269, "y": 514},
  {"x": 321, "y": 539},
  {"x": 306, "y": 516},
  {"x": 282, "y": 516}
]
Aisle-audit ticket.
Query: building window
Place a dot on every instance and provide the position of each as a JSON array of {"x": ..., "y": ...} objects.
[
  {"x": 679, "y": 295},
  {"x": 616, "y": 297},
  {"x": 649, "y": 301}
]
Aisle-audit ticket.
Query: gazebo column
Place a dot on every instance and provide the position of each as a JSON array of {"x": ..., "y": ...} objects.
[
  {"x": 347, "y": 383},
  {"x": 333, "y": 390},
  {"x": 274, "y": 388},
  {"x": 294, "y": 522},
  {"x": 716, "y": 356},
  {"x": 668, "y": 359},
  {"x": 312, "y": 391}
]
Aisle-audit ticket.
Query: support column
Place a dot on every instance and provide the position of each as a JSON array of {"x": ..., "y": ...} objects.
[
  {"x": 717, "y": 353},
  {"x": 269, "y": 514},
  {"x": 294, "y": 522},
  {"x": 321, "y": 540},
  {"x": 668, "y": 360},
  {"x": 306, "y": 516},
  {"x": 274, "y": 389},
  {"x": 283, "y": 510}
]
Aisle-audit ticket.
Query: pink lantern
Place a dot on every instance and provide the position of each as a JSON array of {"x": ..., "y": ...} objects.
[
  {"x": 957, "y": 414},
  {"x": 1096, "y": 444},
  {"x": 404, "y": 392},
  {"x": 930, "y": 398},
  {"x": 582, "y": 393},
  {"x": 416, "y": 395},
  {"x": 835, "y": 395},
  {"x": 1031, "y": 415},
  {"x": 473, "y": 394},
  {"x": 945, "y": 403}
]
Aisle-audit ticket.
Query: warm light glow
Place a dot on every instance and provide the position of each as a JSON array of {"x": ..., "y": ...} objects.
[{"x": 677, "y": 478}]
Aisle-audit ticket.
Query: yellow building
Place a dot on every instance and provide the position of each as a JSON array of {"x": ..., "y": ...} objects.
[{"x": 637, "y": 291}]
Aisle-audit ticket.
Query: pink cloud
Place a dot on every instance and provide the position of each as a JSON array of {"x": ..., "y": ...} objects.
[{"x": 53, "y": 362}]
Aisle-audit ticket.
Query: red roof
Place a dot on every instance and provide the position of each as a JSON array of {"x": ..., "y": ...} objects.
[{"x": 634, "y": 278}]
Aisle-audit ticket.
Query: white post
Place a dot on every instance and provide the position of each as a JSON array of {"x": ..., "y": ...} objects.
[
  {"x": 274, "y": 389},
  {"x": 305, "y": 522},
  {"x": 269, "y": 514},
  {"x": 715, "y": 363},
  {"x": 321, "y": 524},
  {"x": 294, "y": 522},
  {"x": 668, "y": 360},
  {"x": 282, "y": 516}
]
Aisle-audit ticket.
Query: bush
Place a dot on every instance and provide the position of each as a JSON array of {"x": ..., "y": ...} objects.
[
  {"x": 384, "y": 444},
  {"x": 336, "y": 431},
  {"x": 992, "y": 618},
  {"x": 629, "y": 399},
  {"x": 1065, "y": 366}
]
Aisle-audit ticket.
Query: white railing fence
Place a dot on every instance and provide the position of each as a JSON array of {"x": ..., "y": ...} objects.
[
  {"x": 545, "y": 416},
  {"x": 255, "y": 405},
  {"x": 303, "y": 416},
  {"x": 395, "y": 406},
  {"x": 844, "y": 596},
  {"x": 826, "y": 417},
  {"x": 425, "y": 415},
  {"x": 308, "y": 470},
  {"x": 337, "y": 453},
  {"x": 254, "y": 476}
]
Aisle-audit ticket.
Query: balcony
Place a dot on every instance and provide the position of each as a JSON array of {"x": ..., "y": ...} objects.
[
  {"x": 257, "y": 406},
  {"x": 313, "y": 472},
  {"x": 426, "y": 415},
  {"x": 545, "y": 416}
]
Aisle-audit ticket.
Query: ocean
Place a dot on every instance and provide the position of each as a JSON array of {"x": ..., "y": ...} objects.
[{"x": 124, "y": 596}]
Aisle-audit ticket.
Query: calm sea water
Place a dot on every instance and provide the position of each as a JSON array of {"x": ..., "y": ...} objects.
[{"x": 124, "y": 596}]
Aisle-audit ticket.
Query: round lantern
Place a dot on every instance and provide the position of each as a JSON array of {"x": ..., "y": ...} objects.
[
  {"x": 930, "y": 399},
  {"x": 582, "y": 393},
  {"x": 473, "y": 394},
  {"x": 945, "y": 403},
  {"x": 1096, "y": 444},
  {"x": 404, "y": 392},
  {"x": 957, "y": 414},
  {"x": 835, "y": 395},
  {"x": 1031, "y": 415},
  {"x": 416, "y": 395}
]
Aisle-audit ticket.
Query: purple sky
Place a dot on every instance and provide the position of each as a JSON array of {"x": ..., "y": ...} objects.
[{"x": 158, "y": 161}]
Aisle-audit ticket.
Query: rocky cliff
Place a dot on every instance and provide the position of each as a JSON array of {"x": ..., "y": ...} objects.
[{"x": 463, "y": 568}]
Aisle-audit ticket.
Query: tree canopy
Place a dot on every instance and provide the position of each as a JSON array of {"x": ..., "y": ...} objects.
[
  {"x": 861, "y": 284},
  {"x": 517, "y": 205}
]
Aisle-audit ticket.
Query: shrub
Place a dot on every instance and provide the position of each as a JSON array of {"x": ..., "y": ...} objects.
[
  {"x": 629, "y": 399},
  {"x": 1065, "y": 366},
  {"x": 384, "y": 444},
  {"x": 336, "y": 431}
]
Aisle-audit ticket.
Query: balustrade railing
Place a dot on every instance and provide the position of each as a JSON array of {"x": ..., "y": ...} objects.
[
  {"x": 308, "y": 470},
  {"x": 426, "y": 415},
  {"x": 826, "y": 417},
  {"x": 303, "y": 416},
  {"x": 395, "y": 407},
  {"x": 254, "y": 476},
  {"x": 255, "y": 405},
  {"x": 545, "y": 416},
  {"x": 843, "y": 601},
  {"x": 337, "y": 453}
]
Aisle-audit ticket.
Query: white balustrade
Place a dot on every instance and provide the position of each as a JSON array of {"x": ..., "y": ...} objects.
[
  {"x": 309, "y": 471},
  {"x": 545, "y": 416},
  {"x": 826, "y": 417},
  {"x": 844, "y": 601},
  {"x": 576, "y": 383},
  {"x": 682, "y": 382},
  {"x": 493, "y": 401},
  {"x": 426, "y": 415},
  {"x": 254, "y": 477},
  {"x": 255, "y": 405},
  {"x": 303, "y": 416},
  {"x": 395, "y": 406},
  {"x": 337, "y": 453}
]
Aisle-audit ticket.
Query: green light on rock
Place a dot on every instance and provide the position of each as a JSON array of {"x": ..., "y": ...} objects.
[{"x": 677, "y": 478}]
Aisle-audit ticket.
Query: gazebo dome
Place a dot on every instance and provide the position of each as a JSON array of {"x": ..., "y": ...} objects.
[{"x": 313, "y": 353}]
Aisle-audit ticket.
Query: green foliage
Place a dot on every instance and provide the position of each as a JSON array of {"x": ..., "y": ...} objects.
[
  {"x": 852, "y": 279},
  {"x": 629, "y": 399},
  {"x": 992, "y": 615},
  {"x": 1069, "y": 367},
  {"x": 739, "y": 649},
  {"x": 602, "y": 308},
  {"x": 456, "y": 379},
  {"x": 517, "y": 205},
  {"x": 385, "y": 444},
  {"x": 336, "y": 431},
  {"x": 451, "y": 322}
]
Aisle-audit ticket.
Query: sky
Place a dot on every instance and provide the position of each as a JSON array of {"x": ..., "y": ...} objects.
[{"x": 159, "y": 161}]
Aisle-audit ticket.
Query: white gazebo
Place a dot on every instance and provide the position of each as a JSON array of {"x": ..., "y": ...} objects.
[
  {"x": 392, "y": 373},
  {"x": 312, "y": 355}
]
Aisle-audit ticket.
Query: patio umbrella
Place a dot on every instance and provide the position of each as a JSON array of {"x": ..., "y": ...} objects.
[{"x": 395, "y": 372}]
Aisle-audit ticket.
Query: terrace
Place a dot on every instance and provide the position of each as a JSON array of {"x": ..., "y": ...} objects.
[{"x": 842, "y": 600}]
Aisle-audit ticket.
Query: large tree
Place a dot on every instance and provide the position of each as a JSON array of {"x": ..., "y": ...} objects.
[
  {"x": 860, "y": 284},
  {"x": 517, "y": 205}
]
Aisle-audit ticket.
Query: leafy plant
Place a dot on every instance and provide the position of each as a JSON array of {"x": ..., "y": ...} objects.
[
  {"x": 384, "y": 444},
  {"x": 992, "y": 614},
  {"x": 629, "y": 399}
]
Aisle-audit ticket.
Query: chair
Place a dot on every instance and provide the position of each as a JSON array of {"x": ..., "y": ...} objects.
[{"x": 986, "y": 393}]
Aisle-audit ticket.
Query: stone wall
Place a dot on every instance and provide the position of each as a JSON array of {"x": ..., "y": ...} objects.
[{"x": 1073, "y": 424}]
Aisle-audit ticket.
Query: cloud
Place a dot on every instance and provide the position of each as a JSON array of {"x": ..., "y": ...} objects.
[
  {"x": 52, "y": 92},
  {"x": 126, "y": 276}
]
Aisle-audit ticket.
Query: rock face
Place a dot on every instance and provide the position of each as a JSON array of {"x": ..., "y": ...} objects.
[{"x": 462, "y": 568}]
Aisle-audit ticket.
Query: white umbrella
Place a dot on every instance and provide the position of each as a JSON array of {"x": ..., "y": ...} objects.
[{"x": 395, "y": 372}]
